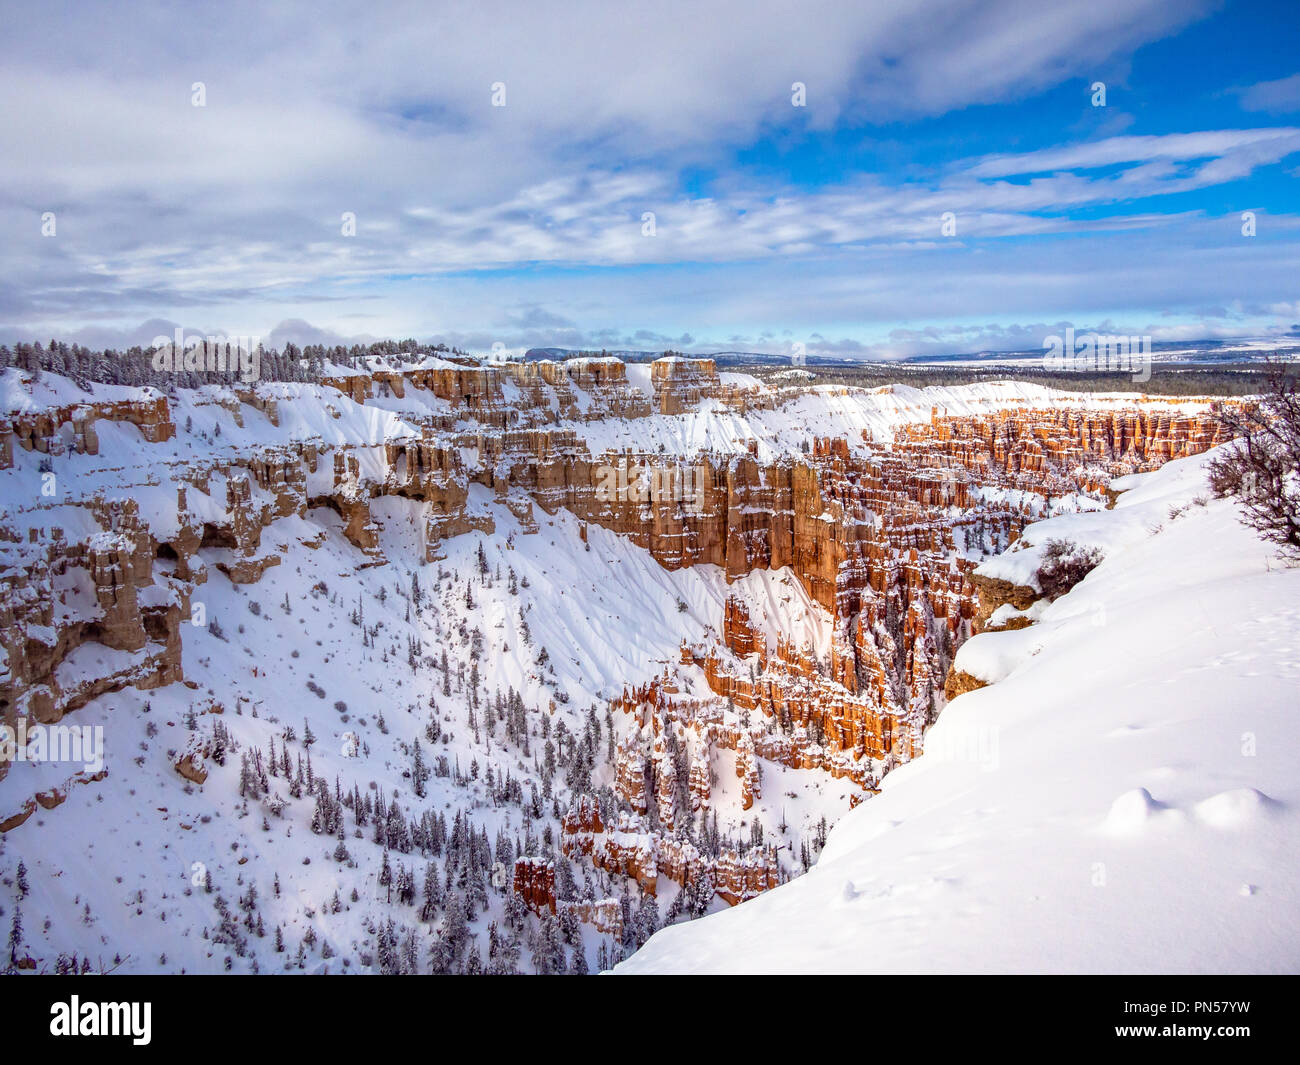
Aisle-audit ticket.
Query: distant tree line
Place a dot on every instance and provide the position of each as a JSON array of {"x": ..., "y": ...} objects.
[
  {"x": 134, "y": 366},
  {"x": 1223, "y": 380}
]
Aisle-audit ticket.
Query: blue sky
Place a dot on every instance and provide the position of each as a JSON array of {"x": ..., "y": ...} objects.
[{"x": 774, "y": 224}]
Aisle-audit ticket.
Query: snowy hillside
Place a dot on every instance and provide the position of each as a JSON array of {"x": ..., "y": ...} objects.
[{"x": 1122, "y": 799}]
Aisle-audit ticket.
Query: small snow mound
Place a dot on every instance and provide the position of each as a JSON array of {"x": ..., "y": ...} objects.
[
  {"x": 1133, "y": 811},
  {"x": 1234, "y": 809}
]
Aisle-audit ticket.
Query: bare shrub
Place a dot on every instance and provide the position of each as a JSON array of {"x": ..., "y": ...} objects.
[
  {"x": 1064, "y": 565},
  {"x": 1260, "y": 469}
]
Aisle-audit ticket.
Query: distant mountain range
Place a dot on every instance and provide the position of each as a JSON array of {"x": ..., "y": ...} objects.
[
  {"x": 1169, "y": 352},
  {"x": 721, "y": 358}
]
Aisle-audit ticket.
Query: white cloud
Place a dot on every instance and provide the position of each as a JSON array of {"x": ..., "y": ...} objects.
[
  {"x": 231, "y": 212},
  {"x": 1261, "y": 145},
  {"x": 1282, "y": 95}
]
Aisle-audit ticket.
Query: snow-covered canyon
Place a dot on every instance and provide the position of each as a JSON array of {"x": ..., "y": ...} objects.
[{"x": 430, "y": 665}]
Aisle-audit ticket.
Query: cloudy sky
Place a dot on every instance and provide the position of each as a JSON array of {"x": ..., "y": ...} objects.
[{"x": 654, "y": 177}]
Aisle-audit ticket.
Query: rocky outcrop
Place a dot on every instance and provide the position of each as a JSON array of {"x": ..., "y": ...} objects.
[
  {"x": 70, "y": 428},
  {"x": 191, "y": 767},
  {"x": 534, "y": 882},
  {"x": 629, "y": 849},
  {"x": 737, "y": 877},
  {"x": 604, "y": 915},
  {"x": 993, "y": 592},
  {"x": 680, "y": 383},
  {"x": 48, "y": 799},
  {"x": 60, "y": 595},
  {"x": 959, "y": 683}
]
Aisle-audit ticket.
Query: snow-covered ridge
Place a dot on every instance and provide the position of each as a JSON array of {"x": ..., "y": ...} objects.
[
  {"x": 723, "y": 413},
  {"x": 1143, "y": 506},
  {"x": 1123, "y": 798}
]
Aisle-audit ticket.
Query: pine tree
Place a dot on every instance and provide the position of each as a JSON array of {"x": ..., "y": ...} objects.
[
  {"x": 548, "y": 952},
  {"x": 455, "y": 929},
  {"x": 15, "y": 937},
  {"x": 419, "y": 772},
  {"x": 433, "y": 895}
]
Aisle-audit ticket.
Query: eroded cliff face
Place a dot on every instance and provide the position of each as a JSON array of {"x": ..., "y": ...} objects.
[{"x": 880, "y": 528}]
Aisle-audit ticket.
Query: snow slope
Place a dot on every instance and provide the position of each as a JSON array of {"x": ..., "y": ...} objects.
[{"x": 1124, "y": 799}]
